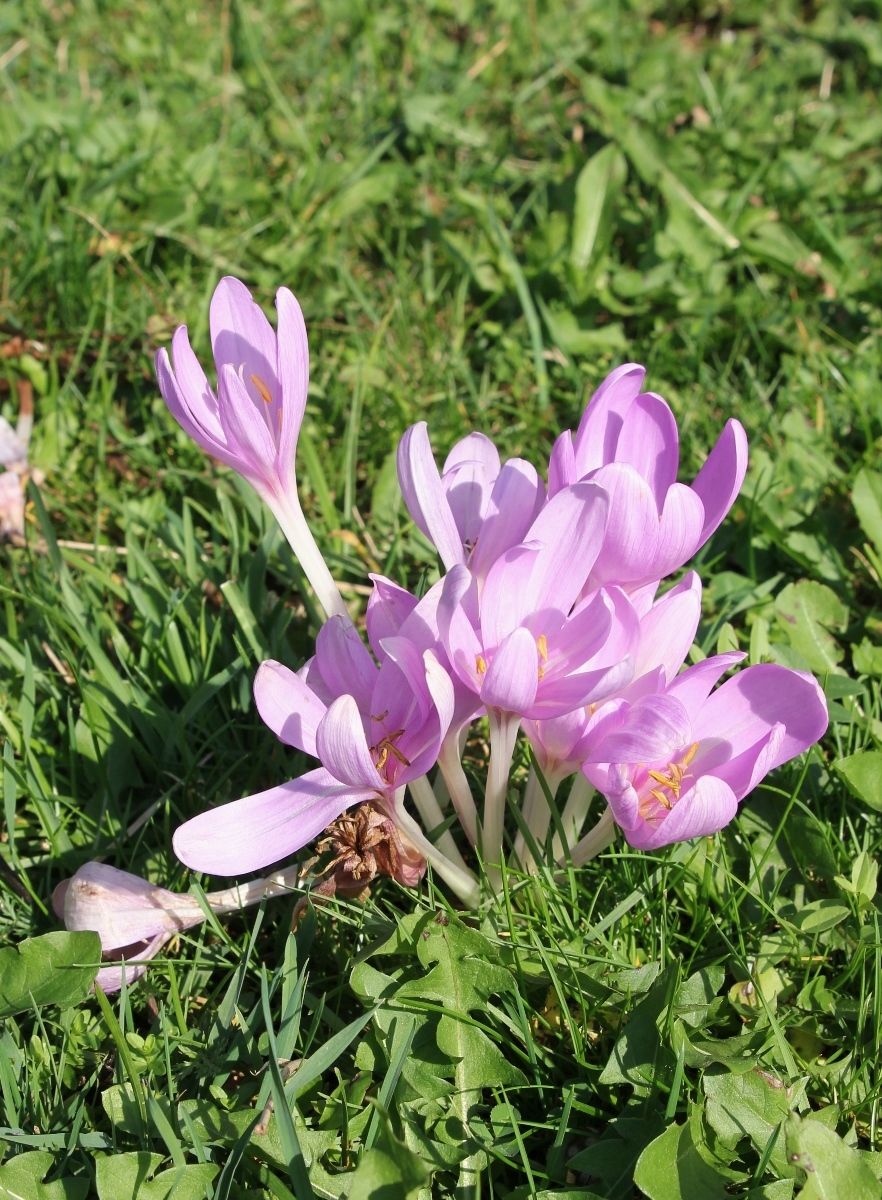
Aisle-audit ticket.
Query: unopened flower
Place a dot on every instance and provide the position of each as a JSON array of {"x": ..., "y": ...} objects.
[
  {"x": 252, "y": 422},
  {"x": 476, "y": 508},
  {"x": 627, "y": 442}
]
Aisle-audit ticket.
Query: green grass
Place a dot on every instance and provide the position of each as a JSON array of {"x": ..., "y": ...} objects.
[{"x": 415, "y": 180}]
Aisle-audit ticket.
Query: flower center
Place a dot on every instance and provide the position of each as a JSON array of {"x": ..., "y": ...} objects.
[
  {"x": 670, "y": 781},
  {"x": 384, "y": 750}
]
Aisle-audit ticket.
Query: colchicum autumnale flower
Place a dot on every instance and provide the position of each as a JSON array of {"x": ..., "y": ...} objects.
[
  {"x": 547, "y": 615},
  {"x": 252, "y": 422}
]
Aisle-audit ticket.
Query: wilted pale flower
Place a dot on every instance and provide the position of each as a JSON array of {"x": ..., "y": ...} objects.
[{"x": 253, "y": 421}]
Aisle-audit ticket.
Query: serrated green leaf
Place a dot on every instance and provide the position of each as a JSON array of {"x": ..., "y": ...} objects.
[{"x": 55, "y": 968}]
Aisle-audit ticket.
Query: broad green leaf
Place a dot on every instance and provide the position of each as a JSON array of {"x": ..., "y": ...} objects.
[
  {"x": 867, "y": 658},
  {"x": 751, "y": 1105},
  {"x": 389, "y": 1168},
  {"x": 670, "y": 1168},
  {"x": 820, "y": 915},
  {"x": 809, "y": 614},
  {"x": 639, "y": 1055},
  {"x": 863, "y": 774},
  {"x": 55, "y": 968},
  {"x": 21, "y": 1178},
  {"x": 832, "y": 1169},
  {"x": 866, "y": 496},
  {"x": 134, "y": 1176},
  {"x": 597, "y": 188}
]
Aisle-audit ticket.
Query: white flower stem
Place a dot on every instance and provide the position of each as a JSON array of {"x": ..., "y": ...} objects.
[
  {"x": 573, "y": 816},
  {"x": 537, "y": 816},
  {"x": 450, "y": 766},
  {"x": 287, "y": 511},
  {"x": 597, "y": 839},
  {"x": 431, "y": 815},
  {"x": 503, "y": 734},
  {"x": 231, "y": 899},
  {"x": 459, "y": 879}
]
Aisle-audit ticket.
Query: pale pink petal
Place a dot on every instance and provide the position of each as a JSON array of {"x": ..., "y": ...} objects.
[
  {"x": 570, "y": 529},
  {"x": 131, "y": 965},
  {"x": 704, "y": 809},
  {"x": 649, "y": 442},
  {"x": 288, "y": 706},
  {"x": 651, "y": 730},
  {"x": 474, "y": 448},
  {"x": 251, "y": 833},
  {"x": 598, "y": 434},
  {"x": 749, "y": 704},
  {"x": 387, "y": 607},
  {"x": 679, "y": 531},
  {"x": 198, "y": 397},
  {"x": 515, "y": 501},
  {"x": 293, "y": 372},
  {"x": 510, "y": 595},
  {"x": 245, "y": 428},
  {"x": 345, "y": 662},
  {"x": 694, "y": 685},
  {"x": 242, "y": 338},
  {"x": 561, "y": 464},
  {"x": 343, "y": 747},
  {"x": 424, "y": 494},
  {"x": 513, "y": 675},
  {"x": 631, "y": 539},
  {"x": 668, "y": 629},
  {"x": 719, "y": 480},
  {"x": 123, "y": 908}
]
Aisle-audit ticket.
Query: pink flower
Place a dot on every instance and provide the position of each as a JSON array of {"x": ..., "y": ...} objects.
[
  {"x": 675, "y": 765},
  {"x": 133, "y": 918},
  {"x": 253, "y": 421},
  {"x": 627, "y": 442}
]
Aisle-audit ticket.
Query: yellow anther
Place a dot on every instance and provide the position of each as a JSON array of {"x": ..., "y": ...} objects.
[
  {"x": 661, "y": 798},
  {"x": 481, "y": 664},
  {"x": 542, "y": 647},
  {"x": 689, "y": 755},
  {"x": 265, "y": 394}
]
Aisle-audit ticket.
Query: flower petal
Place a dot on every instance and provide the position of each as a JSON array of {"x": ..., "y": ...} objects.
[
  {"x": 719, "y": 480},
  {"x": 651, "y": 731},
  {"x": 631, "y": 539},
  {"x": 344, "y": 661},
  {"x": 650, "y": 443},
  {"x": 257, "y": 830},
  {"x": 514, "y": 503},
  {"x": 388, "y": 606},
  {"x": 668, "y": 629},
  {"x": 598, "y": 434},
  {"x": 245, "y": 428},
  {"x": 749, "y": 704},
  {"x": 242, "y": 337},
  {"x": 292, "y": 355},
  {"x": 679, "y": 531},
  {"x": 513, "y": 675},
  {"x": 343, "y": 747},
  {"x": 123, "y": 908},
  {"x": 288, "y": 706},
  {"x": 704, "y": 809},
  {"x": 424, "y": 494}
]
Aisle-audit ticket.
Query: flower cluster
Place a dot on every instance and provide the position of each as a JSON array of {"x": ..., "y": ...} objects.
[{"x": 547, "y": 622}]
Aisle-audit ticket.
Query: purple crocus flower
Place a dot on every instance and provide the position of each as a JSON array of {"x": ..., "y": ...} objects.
[
  {"x": 627, "y": 442},
  {"x": 375, "y": 730},
  {"x": 475, "y": 509},
  {"x": 675, "y": 765},
  {"x": 253, "y": 421}
]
